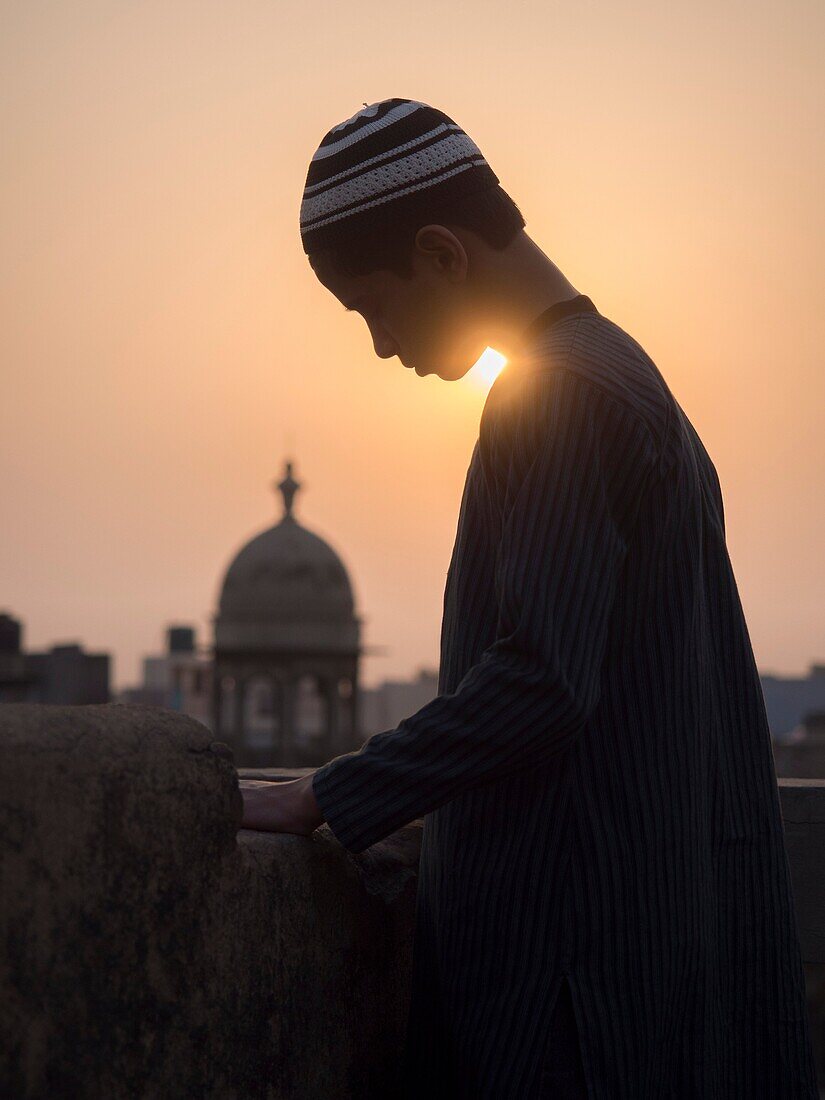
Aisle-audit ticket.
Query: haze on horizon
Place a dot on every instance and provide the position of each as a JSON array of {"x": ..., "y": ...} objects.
[{"x": 165, "y": 346}]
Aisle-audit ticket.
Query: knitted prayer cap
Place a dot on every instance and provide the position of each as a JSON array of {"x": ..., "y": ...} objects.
[{"x": 391, "y": 162}]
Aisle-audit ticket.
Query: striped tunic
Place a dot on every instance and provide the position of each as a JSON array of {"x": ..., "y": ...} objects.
[{"x": 595, "y": 773}]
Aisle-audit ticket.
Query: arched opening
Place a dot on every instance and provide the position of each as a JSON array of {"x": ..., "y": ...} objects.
[
  {"x": 228, "y": 699},
  {"x": 262, "y": 713},
  {"x": 311, "y": 712}
]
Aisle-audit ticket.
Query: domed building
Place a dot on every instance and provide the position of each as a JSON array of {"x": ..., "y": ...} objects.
[{"x": 287, "y": 648}]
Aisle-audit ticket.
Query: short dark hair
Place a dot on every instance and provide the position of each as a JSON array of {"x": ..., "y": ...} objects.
[{"x": 490, "y": 213}]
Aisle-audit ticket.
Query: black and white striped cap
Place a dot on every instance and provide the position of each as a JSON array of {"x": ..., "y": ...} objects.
[{"x": 389, "y": 163}]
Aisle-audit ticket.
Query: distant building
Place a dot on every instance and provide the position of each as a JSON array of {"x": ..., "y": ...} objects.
[
  {"x": 287, "y": 648},
  {"x": 814, "y": 727},
  {"x": 179, "y": 679},
  {"x": 804, "y": 756},
  {"x": 383, "y": 707},
  {"x": 789, "y": 699},
  {"x": 796, "y": 714},
  {"x": 63, "y": 674}
]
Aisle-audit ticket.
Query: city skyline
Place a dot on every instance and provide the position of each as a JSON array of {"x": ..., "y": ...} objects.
[{"x": 165, "y": 344}]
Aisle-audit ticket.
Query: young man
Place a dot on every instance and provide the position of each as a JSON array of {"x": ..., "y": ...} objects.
[{"x": 604, "y": 904}]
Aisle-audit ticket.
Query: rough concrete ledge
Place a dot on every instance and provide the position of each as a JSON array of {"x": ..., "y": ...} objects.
[
  {"x": 150, "y": 949},
  {"x": 386, "y": 868},
  {"x": 803, "y": 815}
]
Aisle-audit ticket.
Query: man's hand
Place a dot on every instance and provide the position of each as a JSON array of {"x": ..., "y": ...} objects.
[{"x": 280, "y": 806}]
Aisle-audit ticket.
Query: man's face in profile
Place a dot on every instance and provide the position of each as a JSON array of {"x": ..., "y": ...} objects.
[{"x": 424, "y": 320}]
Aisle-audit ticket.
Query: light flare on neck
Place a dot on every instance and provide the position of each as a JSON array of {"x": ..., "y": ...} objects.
[{"x": 486, "y": 368}]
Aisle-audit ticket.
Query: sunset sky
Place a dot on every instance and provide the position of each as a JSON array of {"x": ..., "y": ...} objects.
[{"x": 165, "y": 345}]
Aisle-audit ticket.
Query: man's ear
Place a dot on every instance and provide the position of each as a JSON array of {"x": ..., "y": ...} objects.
[{"x": 439, "y": 247}]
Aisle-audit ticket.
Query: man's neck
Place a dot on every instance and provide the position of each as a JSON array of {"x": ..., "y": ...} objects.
[{"x": 522, "y": 282}]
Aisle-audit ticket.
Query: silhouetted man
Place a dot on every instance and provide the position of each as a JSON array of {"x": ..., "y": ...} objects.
[{"x": 601, "y": 813}]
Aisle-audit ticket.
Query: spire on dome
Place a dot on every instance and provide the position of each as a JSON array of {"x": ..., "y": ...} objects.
[{"x": 288, "y": 488}]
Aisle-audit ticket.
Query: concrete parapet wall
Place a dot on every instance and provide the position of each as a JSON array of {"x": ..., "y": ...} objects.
[
  {"x": 152, "y": 950},
  {"x": 803, "y": 816}
]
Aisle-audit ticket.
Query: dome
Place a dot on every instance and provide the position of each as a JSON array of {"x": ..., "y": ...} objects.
[
  {"x": 286, "y": 588},
  {"x": 287, "y": 572}
]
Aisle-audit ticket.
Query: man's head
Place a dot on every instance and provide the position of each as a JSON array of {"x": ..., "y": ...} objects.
[{"x": 400, "y": 215}]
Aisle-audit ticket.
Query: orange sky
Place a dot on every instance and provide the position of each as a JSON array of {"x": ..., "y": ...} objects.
[{"x": 164, "y": 344}]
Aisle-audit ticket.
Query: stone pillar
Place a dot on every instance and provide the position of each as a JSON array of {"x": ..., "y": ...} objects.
[
  {"x": 238, "y": 714},
  {"x": 289, "y": 720},
  {"x": 331, "y": 703},
  {"x": 333, "y": 725},
  {"x": 355, "y": 713},
  {"x": 217, "y": 700},
  {"x": 279, "y": 687}
]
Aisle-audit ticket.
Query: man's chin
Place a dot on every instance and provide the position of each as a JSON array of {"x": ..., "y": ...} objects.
[
  {"x": 439, "y": 371},
  {"x": 454, "y": 371},
  {"x": 423, "y": 368},
  {"x": 449, "y": 372}
]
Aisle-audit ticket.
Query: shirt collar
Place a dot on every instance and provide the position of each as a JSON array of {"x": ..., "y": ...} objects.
[{"x": 550, "y": 316}]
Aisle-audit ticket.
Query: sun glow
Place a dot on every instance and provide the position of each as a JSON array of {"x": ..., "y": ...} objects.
[{"x": 486, "y": 368}]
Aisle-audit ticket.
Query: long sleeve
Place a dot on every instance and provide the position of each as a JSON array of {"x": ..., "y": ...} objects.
[{"x": 567, "y": 464}]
